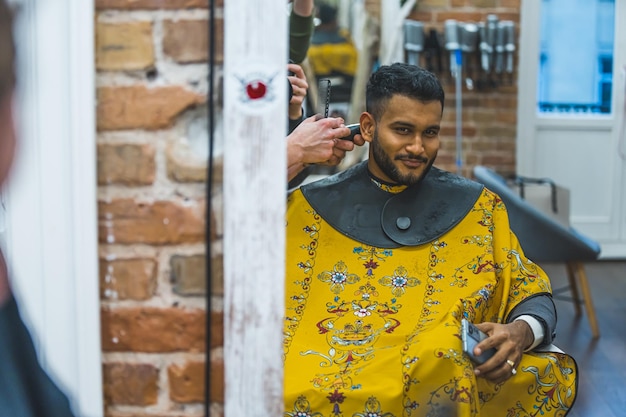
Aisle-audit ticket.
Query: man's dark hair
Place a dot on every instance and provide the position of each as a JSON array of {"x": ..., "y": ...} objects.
[
  {"x": 401, "y": 79},
  {"x": 7, "y": 50}
]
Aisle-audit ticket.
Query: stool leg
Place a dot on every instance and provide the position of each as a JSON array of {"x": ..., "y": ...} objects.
[
  {"x": 584, "y": 287},
  {"x": 571, "y": 276}
]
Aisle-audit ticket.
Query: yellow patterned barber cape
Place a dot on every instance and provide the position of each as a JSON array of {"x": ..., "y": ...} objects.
[{"x": 374, "y": 332}]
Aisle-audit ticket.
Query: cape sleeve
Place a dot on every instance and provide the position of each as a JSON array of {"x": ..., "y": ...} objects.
[{"x": 541, "y": 307}]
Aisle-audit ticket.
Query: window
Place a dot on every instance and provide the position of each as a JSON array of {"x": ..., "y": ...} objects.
[{"x": 576, "y": 56}]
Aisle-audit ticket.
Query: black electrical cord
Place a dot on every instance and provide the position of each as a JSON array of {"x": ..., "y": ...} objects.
[{"x": 209, "y": 207}]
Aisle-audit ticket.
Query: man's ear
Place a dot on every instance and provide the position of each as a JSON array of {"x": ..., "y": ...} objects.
[{"x": 368, "y": 126}]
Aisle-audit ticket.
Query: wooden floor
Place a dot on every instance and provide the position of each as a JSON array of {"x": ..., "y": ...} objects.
[{"x": 601, "y": 363}]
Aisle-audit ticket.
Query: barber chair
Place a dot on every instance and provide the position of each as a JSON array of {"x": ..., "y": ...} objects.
[{"x": 545, "y": 240}]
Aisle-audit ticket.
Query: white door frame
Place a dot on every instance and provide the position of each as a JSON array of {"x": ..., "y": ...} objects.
[{"x": 51, "y": 199}]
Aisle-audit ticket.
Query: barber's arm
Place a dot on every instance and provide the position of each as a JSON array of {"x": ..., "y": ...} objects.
[{"x": 300, "y": 29}]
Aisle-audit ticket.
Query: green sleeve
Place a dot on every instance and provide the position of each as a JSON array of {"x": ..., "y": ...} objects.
[{"x": 300, "y": 31}]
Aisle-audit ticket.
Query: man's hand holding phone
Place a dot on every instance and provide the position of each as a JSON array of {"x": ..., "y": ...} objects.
[
  {"x": 472, "y": 336},
  {"x": 501, "y": 349}
]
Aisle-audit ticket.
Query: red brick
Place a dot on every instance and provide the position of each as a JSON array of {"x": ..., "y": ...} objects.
[
  {"x": 461, "y": 16},
  {"x": 124, "y": 46},
  {"x": 433, "y": 3},
  {"x": 139, "y": 107},
  {"x": 217, "y": 329},
  {"x": 422, "y": 16},
  {"x": 162, "y": 222},
  {"x": 217, "y": 379},
  {"x": 127, "y": 279},
  {"x": 217, "y": 274},
  {"x": 483, "y": 3},
  {"x": 499, "y": 132},
  {"x": 218, "y": 169},
  {"x": 506, "y": 145},
  {"x": 152, "y": 329},
  {"x": 186, "y": 41},
  {"x": 499, "y": 159},
  {"x": 129, "y": 384},
  {"x": 514, "y": 16},
  {"x": 484, "y": 145},
  {"x": 127, "y": 164},
  {"x": 507, "y": 116},
  {"x": 188, "y": 274},
  {"x": 451, "y": 130},
  {"x": 514, "y": 4},
  {"x": 186, "y": 382}
]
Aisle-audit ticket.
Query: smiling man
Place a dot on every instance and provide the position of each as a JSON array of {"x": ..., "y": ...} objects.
[{"x": 386, "y": 259}]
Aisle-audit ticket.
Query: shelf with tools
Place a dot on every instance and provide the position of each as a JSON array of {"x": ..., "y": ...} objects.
[{"x": 480, "y": 53}]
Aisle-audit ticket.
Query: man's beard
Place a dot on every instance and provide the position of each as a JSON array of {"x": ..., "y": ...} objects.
[{"x": 386, "y": 165}]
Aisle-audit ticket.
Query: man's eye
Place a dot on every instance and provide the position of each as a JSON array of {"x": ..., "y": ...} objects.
[
  {"x": 402, "y": 130},
  {"x": 431, "y": 133}
]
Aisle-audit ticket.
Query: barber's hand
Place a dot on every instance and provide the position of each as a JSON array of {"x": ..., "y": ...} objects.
[
  {"x": 341, "y": 147},
  {"x": 313, "y": 141},
  {"x": 299, "y": 86},
  {"x": 510, "y": 340}
]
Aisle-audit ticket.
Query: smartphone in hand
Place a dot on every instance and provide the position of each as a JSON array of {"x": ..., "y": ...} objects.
[{"x": 471, "y": 336}]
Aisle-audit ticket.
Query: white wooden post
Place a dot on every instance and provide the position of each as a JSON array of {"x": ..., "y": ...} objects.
[{"x": 255, "y": 104}]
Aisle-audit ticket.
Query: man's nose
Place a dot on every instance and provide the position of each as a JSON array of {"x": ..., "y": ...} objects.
[{"x": 416, "y": 146}]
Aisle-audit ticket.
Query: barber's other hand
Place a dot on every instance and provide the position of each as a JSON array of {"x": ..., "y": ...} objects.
[
  {"x": 510, "y": 340},
  {"x": 358, "y": 140},
  {"x": 341, "y": 147},
  {"x": 299, "y": 86}
]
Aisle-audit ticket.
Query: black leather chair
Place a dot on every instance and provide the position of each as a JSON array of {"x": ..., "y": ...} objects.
[{"x": 545, "y": 240}]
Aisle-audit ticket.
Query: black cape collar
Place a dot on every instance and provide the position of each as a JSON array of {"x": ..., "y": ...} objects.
[{"x": 359, "y": 209}]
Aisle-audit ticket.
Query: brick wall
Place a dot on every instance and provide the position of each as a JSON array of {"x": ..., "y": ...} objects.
[
  {"x": 489, "y": 113},
  {"x": 151, "y": 58}
]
